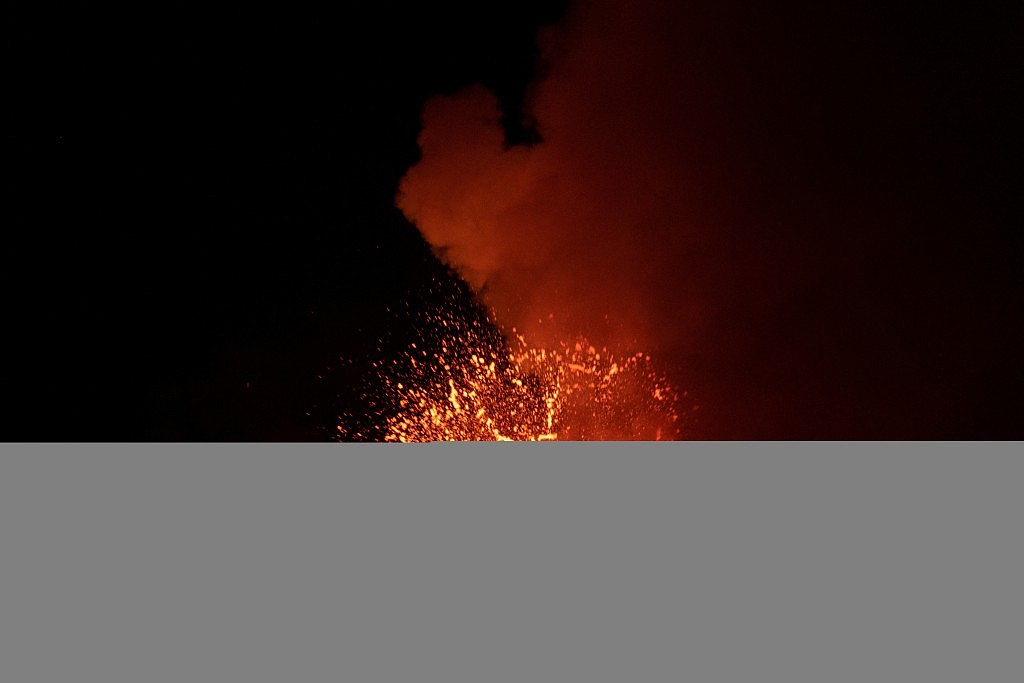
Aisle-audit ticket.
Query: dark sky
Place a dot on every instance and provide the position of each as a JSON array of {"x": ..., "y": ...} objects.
[{"x": 200, "y": 206}]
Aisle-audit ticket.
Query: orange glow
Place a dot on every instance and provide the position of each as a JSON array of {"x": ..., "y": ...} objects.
[{"x": 479, "y": 386}]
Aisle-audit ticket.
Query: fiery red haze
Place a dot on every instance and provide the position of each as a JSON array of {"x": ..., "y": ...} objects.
[{"x": 700, "y": 193}]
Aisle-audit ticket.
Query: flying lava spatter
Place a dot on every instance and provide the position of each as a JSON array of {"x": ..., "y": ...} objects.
[{"x": 466, "y": 381}]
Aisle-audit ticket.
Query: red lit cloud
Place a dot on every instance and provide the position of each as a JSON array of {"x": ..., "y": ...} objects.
[
  {"x": 591, "y": 226},
  {"x": 704, "y": 193}
]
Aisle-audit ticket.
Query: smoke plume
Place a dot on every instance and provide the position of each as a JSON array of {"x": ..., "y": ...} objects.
[
  {"x": 587, "y": 231},
  {"x": 714, "y": 186}
]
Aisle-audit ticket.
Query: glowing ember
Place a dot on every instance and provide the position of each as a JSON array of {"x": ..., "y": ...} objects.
[{"x": 467, "y": 382}]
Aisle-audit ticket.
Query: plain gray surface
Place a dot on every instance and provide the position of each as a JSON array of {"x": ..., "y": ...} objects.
[{"x": 550, "y": 563}]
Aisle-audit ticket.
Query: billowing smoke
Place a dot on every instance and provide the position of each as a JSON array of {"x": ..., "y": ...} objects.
[
  {"x": 712, "y": 186},
  {"x": 608, "y": 227},
  {"x": 588, "y": 231}
]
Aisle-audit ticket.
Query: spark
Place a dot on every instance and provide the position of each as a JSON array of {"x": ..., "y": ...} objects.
[{"x": 466, "y": 381}]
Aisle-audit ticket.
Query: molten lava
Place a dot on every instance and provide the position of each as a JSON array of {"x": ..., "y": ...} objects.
[{"x": 465, "y": 381}]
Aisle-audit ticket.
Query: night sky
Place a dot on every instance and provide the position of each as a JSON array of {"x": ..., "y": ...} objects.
[{"x": 816, "y": 210}]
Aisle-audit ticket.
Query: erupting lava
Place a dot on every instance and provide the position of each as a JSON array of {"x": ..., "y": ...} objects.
[{"x": 465, "y": 381}]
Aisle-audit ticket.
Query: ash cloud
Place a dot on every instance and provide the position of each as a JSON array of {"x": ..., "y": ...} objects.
[
  {"x": 739, "y": 190},
  {"x": 586, "y": 230}
]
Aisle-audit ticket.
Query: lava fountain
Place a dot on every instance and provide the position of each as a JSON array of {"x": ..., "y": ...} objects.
[{"x": 466, "y": 380}]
